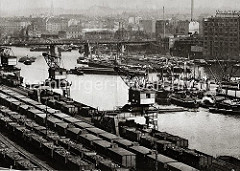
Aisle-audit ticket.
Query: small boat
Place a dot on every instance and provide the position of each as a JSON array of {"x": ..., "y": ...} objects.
[
  {"x": 27, "y": 62},
  {"x": 184, "y": 100},
  {"x": 39, "y": 49},
  {"x": 76, "y": 71},
  {"x": 22, "y": 59},
  {"x": 228, "y": 104},
  {"x": 82, "y": 61}
]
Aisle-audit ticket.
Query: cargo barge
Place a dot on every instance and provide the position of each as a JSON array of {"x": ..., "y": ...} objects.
[{"x": 92, "y": 70}]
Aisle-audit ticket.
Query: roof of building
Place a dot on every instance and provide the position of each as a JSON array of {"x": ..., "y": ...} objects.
[
  {"x": 57, "y": 20},
  {"x": 96, "y": 30}
]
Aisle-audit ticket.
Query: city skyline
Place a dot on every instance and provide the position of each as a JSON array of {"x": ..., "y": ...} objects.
[{"x": 21, "y": 7}]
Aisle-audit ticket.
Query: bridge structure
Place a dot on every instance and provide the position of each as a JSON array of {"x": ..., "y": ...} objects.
[{"x": 75, "y": 42}]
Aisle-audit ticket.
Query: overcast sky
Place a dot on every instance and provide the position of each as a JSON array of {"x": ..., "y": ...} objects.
[{"x": 13, "y": 5}]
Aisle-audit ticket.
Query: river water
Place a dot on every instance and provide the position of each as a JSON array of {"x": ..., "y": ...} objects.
[{"x": 214, "y": 134}]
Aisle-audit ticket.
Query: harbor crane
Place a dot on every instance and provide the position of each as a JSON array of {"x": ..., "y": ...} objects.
[
  {"x": 9, "y": 73},
  {"x": 141, "y": 94},
  {"x": 57, "y": 78}
]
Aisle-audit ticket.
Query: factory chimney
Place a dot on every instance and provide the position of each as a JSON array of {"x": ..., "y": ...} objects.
[{"x": 192, "y": 8}]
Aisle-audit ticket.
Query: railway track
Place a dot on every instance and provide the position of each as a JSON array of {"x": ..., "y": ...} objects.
[
  {"x": 25, "y": 153},
  {"x": 20, "y": 89}
]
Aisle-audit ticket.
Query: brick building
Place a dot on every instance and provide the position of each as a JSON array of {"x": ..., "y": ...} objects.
[{"x": 221, "y": 35}]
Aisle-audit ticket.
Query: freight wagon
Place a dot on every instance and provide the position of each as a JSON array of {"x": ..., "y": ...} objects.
[
  {"x": 178, "y": 166},
  {"x": 123, "y": 157},
  {"x": 141, "y": 154},
  {"x": 161, "y": 162}
]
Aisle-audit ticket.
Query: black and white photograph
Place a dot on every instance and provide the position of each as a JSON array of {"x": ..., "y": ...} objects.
[{"x": 120, "y": 85}]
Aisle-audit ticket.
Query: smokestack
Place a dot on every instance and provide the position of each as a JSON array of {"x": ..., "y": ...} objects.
[
  {"x": 192, "y": 8},
  {"x": 0, "y": 9},
  {"x": 52, "y": 9},
  {"x": 164, "y": 24}
]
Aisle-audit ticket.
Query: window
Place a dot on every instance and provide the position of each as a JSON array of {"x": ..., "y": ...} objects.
[{"x": 148, "y": 95}]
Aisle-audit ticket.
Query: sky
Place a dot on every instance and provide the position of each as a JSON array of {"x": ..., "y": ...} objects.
[{"x": 19, "y": 5}]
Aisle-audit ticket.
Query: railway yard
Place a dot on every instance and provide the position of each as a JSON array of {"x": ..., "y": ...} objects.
[{"x": 59, "y": 141}]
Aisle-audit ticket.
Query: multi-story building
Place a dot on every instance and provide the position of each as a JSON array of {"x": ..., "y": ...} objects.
[
  {"x": 13, "y": 26},
  {"x": 74, "y": 32},
  {"x": 134, "y": 20},
  {"x": 221, "y": 35},
  {"x": 189, "y": 47},
  {"x": 182, "y": 27},
  {"x": 38, "y": 27},
  {"x": 98, "y": 34},
  {"x": 194, "y": 27},
  {"x": 148, "y": 27},
  {"x": 73, "y": 22},
  {"x": 54, "y": 25},
  {"x": 167, "y": 28}
]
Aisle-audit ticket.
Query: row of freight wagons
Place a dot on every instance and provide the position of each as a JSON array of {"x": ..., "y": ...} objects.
[
  {"x": 66, "y": 105},
  {"x": 11, "y": 157},
  {"x": 120, "y": 155},
  {"x": 37, "y": 141},
  {"x": 57, "y": 153},
  {"x": 124, "y": 158},
  {"x": 169, "y": 145}
]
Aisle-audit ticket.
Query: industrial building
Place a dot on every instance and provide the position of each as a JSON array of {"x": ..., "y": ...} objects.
[{"x": 221, "y": 35}]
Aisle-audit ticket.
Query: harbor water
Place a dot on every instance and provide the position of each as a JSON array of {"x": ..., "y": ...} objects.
[{"x": 214, "y": 134}]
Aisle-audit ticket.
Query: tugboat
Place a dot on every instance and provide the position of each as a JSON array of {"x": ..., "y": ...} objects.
[
  {"x": 184, "y": 99},
  {"x": 27, "y": 60},
  {"x": 163, "y": 93}
]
